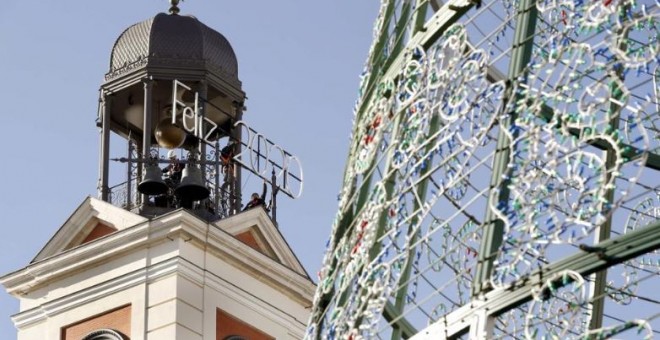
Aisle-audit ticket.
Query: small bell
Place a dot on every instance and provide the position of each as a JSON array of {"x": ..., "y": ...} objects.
[
  {"x": 152, "y": 182},
  {"x": 192, "y": 186}
]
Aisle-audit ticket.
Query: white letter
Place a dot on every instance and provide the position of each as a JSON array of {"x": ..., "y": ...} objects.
[
  {"x": 213, "y": 127},
  {"x": 188, "y": 113}
]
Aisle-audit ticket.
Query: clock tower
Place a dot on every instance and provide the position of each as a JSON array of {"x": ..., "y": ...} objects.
[{"x": 167, "y": 251}]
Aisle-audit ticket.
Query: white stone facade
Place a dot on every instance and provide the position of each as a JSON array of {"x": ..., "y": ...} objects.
[{"x": 174, "y": 271}]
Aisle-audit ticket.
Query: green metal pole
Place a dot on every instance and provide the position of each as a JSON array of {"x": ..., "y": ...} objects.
[
  {"x": 348, "y": 216},
  {"x": 603, "y": 232},
  {"x": 494, "y": 227},
  {"x": 402, "y": 289},
  {"x": 388, "y": 172},
  {"x": 364, "y": 190}
]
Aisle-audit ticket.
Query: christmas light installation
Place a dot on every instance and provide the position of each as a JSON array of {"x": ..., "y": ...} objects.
[{"x": 502, "y": 179}]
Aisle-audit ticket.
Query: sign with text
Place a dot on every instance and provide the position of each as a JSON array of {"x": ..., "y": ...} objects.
[
  {"x": 260, "y": 156},
  {"x": 192, "y": 120},
  {"x": 265, "y": 158}
]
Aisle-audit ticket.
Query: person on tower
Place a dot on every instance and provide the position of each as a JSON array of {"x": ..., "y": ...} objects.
[
  {"x": 173, "y": 169},
  {"x": 256, "y": 200},
  {"x": 226, "y": 158}
]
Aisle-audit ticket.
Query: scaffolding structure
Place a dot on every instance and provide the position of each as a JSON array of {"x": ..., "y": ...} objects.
[{"x": 503, "y": 176}]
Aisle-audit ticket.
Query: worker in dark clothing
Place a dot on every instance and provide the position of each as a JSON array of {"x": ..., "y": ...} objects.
[
  {"x": 173, "y": 170},
  {"x": 227, "y": 153},
  {"x": 256, "y": 200},
  {"x": 226, "y": 158}
]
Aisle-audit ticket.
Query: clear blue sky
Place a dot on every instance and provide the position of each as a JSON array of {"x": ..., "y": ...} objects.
[{"x": 299, "y": 62}]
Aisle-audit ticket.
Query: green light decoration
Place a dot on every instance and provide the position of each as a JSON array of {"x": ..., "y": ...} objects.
[{"x": 502, "y": 180}]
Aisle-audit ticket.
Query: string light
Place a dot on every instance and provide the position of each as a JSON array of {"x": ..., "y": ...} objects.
[{"x": 407, "y": 238}]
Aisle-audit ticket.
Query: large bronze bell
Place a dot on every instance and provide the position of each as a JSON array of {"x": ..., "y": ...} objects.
[
  {"x": 152, "y": 182},
  {"x": 192, "y": 186}
]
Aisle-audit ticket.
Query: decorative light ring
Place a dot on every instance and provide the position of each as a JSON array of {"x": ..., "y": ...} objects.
[
  {"x": 636, "y": 53},
  {"x": 558, "y": 307}
]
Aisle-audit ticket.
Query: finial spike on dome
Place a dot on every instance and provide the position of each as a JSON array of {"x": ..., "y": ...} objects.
[{"x": 174, "y": 9}]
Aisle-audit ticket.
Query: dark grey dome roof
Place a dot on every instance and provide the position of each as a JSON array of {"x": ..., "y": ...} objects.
[{"x": 175, "y": 39}]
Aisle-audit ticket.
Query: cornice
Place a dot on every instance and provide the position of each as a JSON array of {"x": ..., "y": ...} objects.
[
  {"x": 178, "y": 224},
  {"x": 176, "y": 65},
  {"x": 128, "y": 67},
  {"x": 258, "y": 218},
  {"x": 97, "y": 292},
  {"x": 41, "y": 272},
  {"x": 254, "y": 303},
  {"x": 83, "y": 214},
  {"x": 262, "y": 267},
  {"x": 90, "y": 211}
]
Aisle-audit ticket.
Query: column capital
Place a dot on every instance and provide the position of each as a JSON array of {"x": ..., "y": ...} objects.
[{"x": 148, "y": 82}]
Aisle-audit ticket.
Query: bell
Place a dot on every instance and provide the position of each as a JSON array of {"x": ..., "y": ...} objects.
[
  {"x": 192, "y": 186},
  {"x": 169, "y": 135},
  {"x": 152, "y": 182}
]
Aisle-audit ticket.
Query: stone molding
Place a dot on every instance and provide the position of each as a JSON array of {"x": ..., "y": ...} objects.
[{"x": 178, "y": 226}]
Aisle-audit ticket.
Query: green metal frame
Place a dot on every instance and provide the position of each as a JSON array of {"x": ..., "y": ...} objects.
[
  {"x": 494, "y": 229},
  {"x": 487, "y": 302}
]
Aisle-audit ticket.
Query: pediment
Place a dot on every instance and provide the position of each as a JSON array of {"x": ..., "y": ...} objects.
[
  {"x": 93, "y": 219},
  {"x": 268, "y": 259},
  {"x": 255, "y": 229},
  {"x": 255, "y": 239}
]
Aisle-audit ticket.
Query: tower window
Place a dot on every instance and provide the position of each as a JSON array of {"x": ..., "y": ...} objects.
[
  {"x": 104, "y": 334},
  {"x": 235, "y": 337}
]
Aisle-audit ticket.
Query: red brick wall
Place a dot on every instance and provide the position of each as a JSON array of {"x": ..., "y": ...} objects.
[
  {"x": 249, "y": 239},
  {"x": 117, "y": 319},
  {"x": 99, "y": 230},
  {"x": 226, "y": 325}
]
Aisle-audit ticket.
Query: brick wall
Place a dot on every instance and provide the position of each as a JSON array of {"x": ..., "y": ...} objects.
[
  {"x": 99, "y": 230},
  {"x": 226, "y": 325},
  {"x": 249, "y": 239},
  {"x": 118, "y": 319}
]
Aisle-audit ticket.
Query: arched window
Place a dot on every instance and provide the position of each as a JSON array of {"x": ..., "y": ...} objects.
[
  {"x": 235, "y": 337},
  {"x": 103, "y": 334}
]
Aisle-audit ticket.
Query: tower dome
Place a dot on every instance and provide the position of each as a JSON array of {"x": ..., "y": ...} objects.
[
  {"x": 162, "y": 49},
  {"x": 171, "y": 40},
  {"x": 172, "y": 83}
]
